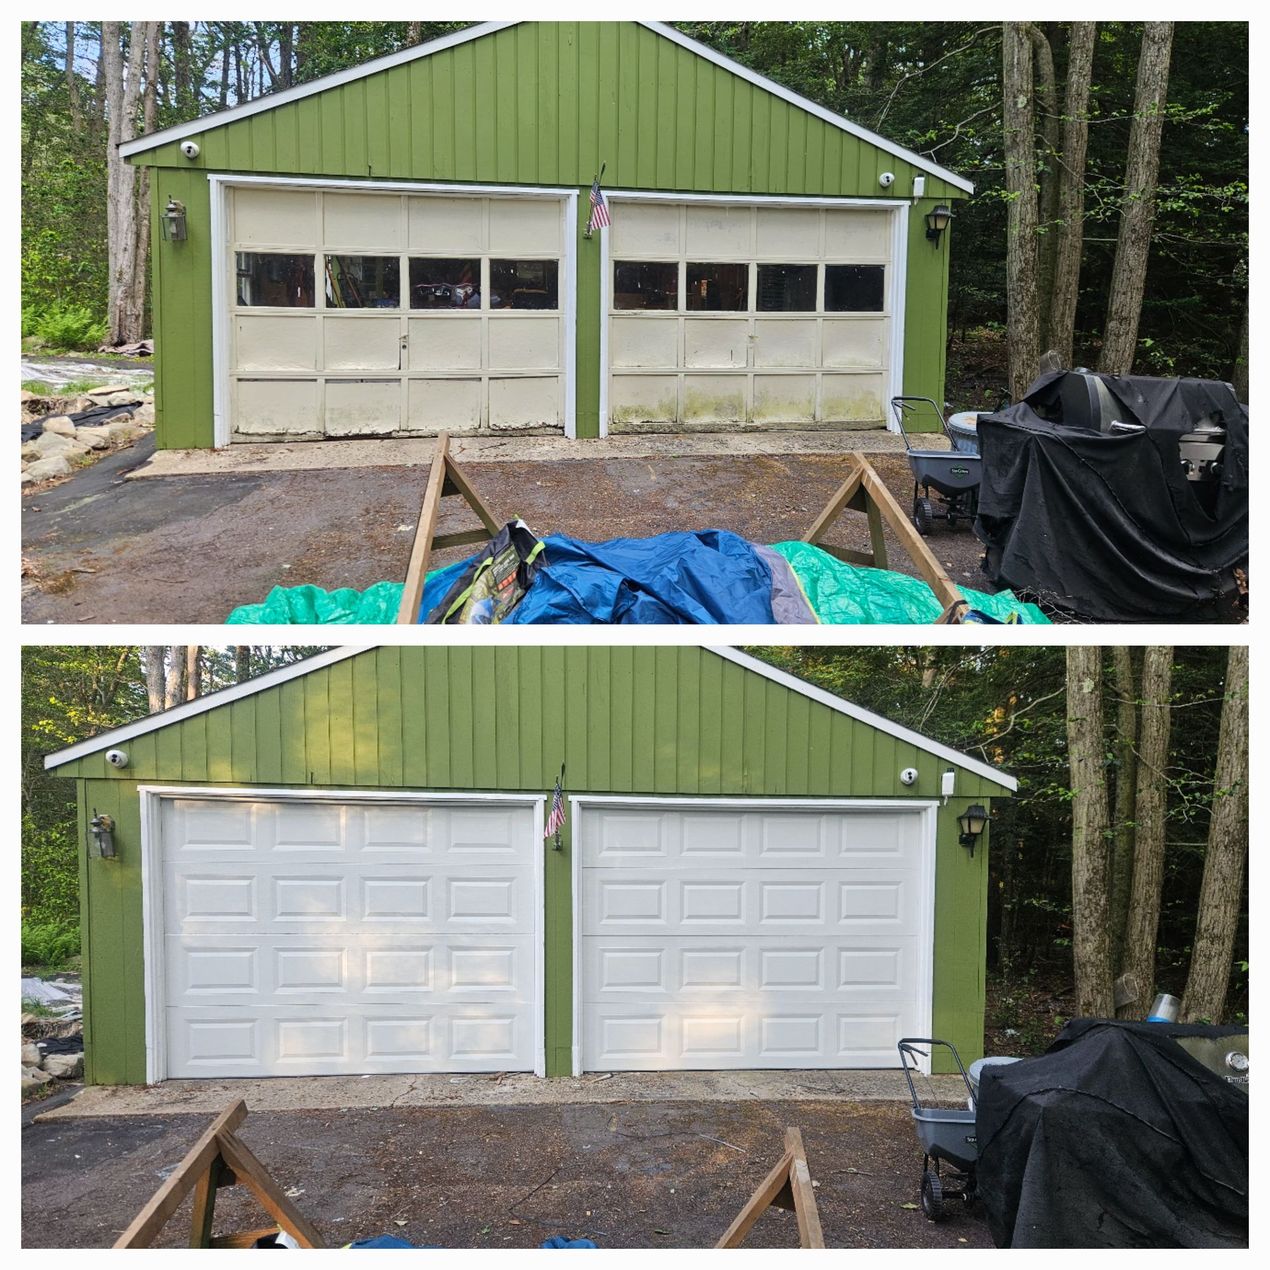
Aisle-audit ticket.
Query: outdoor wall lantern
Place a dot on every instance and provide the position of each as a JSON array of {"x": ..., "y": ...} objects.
[
  {"x": 937, "y": 221},
  {"x": 972, "y": 822},
  {"x": 174, "y": 221},
  {"x": 102, "y": 828}
]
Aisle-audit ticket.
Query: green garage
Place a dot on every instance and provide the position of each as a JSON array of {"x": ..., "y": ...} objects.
[
  {"x": 402, "y": 248},
  {"x": 341, "y": 867}
]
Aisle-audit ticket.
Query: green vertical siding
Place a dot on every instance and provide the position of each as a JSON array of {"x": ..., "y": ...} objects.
[
  {"x": 540, "y": 103},
  {"x": 666, "y": 721}
]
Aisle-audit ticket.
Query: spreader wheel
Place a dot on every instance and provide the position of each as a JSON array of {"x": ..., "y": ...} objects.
[
  {"x": 932, "y": 1195},
  {"x": 923, "y": 515}
]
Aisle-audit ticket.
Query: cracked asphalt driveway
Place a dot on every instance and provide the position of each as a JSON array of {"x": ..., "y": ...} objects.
[{"x": 626, "y": 1174}]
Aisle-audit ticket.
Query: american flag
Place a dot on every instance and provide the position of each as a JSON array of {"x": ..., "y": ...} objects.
[
  {"x": 555, "y": 821},
  {"x": 599, "y": 209}
]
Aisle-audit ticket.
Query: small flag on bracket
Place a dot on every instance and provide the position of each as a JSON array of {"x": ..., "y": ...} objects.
[
  {"x": 599, "y": 208},
  {"x": 555, "y": 819}
]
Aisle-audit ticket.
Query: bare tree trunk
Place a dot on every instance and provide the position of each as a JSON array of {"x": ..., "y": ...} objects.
[
  {"x": 1137, "y": 214},
  {"x": 1069, "y": 234},
  {"x": 414, "y": 33},
  {"x": 123, "y": 92},
  {"x": 193, "y": 671},
  {"x": 224, "y": 74},
  {"x": 149, "y": 113},
  {"x": 1047, "y": 194},
  {"x": 1240, "y": 376},
  {"x": 1091, "y": 946},
  {"x": 174, "y": 688},
  {"x": 152, "y": 660},
  {"x": 242, "y": 663},
  {"x": 1224, "y": 862},
  {"x": 1126, "y": 794},
  {"x": 1138, "y": 978},
  {"x": 182, "y": 69},
  {"x": 1020, "y": 183},
  {"x": 72, "y": 82}
]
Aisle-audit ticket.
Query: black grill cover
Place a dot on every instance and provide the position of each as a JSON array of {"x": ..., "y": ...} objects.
[
  {"x": 1106, "y": 525},
  {"x": 1114, "y": 1138}
]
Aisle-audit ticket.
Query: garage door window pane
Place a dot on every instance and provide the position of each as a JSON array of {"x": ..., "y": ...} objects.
[
  {"x": 363, "y": 282},
  {"x": 787, "y": 288},
  {"x": 445, "y": 283},
  {"x": 523, "y": 284},
  {"x": 718, "y": 288},
  {"x": 854, "y": 288},
  {"x": 274, "y": 280},
  {"x": 645, "y": 285}
]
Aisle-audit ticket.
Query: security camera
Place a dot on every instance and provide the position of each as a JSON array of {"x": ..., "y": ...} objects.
[
  {"x": 117, "y": 758},
  {"x": 886, "y": 180},
  {"x": 908, "y": 776},
  {"x": 190, "y": 149}
]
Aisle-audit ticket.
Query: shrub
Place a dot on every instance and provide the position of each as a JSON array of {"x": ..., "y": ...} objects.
[
  {"x": 52, "y": 945},
  {"x": 72, "y": 327}
]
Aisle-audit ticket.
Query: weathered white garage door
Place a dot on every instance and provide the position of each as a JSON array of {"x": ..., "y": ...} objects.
[
  {"x": 727, "y": 937},
  {"x": 316, "y": 938},
  {"x": 356, "y": 313},
  {"x": 768, "y": 316}
]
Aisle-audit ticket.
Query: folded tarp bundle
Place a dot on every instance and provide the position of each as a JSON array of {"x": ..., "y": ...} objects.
[{"x": 704, "y": 578}]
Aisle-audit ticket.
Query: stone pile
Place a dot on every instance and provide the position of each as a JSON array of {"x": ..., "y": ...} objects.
[
  {"x": 62, "y": 447},
  {"x": 52, "y": 1040}
]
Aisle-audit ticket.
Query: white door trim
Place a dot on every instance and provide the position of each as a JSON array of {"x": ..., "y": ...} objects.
[
  {"x": 154, "y": 970},
  {"x": 899, "y": 209},
  {"x": 220, "y": 184},
  {"x": 926, "y": 808}
]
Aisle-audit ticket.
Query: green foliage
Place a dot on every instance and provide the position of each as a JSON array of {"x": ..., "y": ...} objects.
[
  {"x": 68, "y": 328},
  {"x": 50, "y": 945}
]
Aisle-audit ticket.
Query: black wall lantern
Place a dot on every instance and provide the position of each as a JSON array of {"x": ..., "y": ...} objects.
[
  {"x": 972, "y": 821},
  {"x": 173, "y": 221},
  {"x": 102, "y": 827},
  {"x": 937, "y": 221}
]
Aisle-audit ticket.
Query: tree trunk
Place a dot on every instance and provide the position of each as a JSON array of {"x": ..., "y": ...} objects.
[
  {"x": 193, "y": 671},
  {"x": 1047, "y": 191},
  {"x": 152, "y": 660},
  {"x": 149, "y": 114},
  {"x": 123, "y": 91},
  {"x": 1091, "y": 947},
  {"x": 242, "y": 663},
  {"x": 1138, "y": 978},
  {"x": 1069, "y": 234},
  {"x": 1020, "y": 183},
  {"x": 1224, "y": 862},
  {"x": 1137, "y": 214},
  {"x": 1240, "y": 376},
  {"x": 1126, "y": 794},
  {"x": 182, "y": 71},
  {"x": 72, "y": 83},
  {"x": 174, "y": 688}
]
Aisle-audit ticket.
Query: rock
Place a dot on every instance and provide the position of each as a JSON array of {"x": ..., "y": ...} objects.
[
  {"x": 31, "y": 1055},
  {"x": 80, "y": 404},
  {"x": 144, "y": 413},
  {"x": 106, "y": 390},
  {"x": 30, "y": 451},
  {"x": 125, "y": 398},
  {"x": 34, "y": 1078},
  {"x": 122, "y": 430},
  {"x": 46, "y": 469},
  {"x": 27, "y": 396},
  {"x": 50, "y": 443},
  {"x": 59, "y": 423},
  {"x": 98, "y": 438},
  {"x": 64, "y": 1066}
]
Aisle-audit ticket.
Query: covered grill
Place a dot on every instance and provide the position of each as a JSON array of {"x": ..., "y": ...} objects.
[{"x": 1117, "y": 497}]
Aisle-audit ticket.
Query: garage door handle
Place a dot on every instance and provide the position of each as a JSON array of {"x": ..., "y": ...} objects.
[{"x": 401, "y": 352}]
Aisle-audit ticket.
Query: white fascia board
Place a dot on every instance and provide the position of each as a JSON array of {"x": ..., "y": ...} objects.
[
  {"x": 204, "y": 124},
  {"x": 803, "y": 103},
  {"x": 151, "y": 723},
  {"x": 861, "y": 715},
  {"x": 155, "y": 139}
]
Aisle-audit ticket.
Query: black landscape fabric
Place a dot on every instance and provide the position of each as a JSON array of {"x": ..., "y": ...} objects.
[
  {"x": 1114, "y": 1138},
  {"x": 1106, "y": 525}
]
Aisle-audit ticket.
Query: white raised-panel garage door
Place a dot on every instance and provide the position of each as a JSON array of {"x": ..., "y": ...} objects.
[
  {"x": 304, "y": 938},
  {"x": 727, "y": 314},
  {"x": 365, "y": 313},
  {"x": 749, "y": 937}
]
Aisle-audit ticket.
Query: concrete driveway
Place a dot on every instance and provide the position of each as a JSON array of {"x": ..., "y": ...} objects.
[{"x": 628, "y": 1172}]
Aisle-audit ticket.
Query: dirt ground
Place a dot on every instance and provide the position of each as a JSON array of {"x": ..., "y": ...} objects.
[
  {"x": 192, "y": 548},
  {"x": 651, "y": 1175}
]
